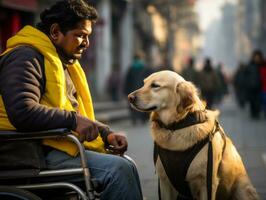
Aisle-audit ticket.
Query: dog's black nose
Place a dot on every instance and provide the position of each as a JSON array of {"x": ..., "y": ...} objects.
[{"x": 131, "y": 98}]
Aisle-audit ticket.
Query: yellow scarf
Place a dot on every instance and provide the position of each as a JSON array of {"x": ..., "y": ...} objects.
[{"x": 55, "y": 89}]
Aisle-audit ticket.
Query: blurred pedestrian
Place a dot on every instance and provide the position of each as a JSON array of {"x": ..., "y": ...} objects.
[
  {"x": 222, "y": 89},
  {"x": 239, "y": 84},
  {"x": 262, "y": 71},
  {"x": 113, "y": 84},
  {"x": 135, "y": 75},
  {"x": 189, "y": 72},
  {"x": 253, "y": 83},
  {"x": 208, "y": 83}
]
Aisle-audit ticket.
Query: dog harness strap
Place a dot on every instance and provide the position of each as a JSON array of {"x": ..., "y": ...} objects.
[
  {"x": 190, "y": 120},
  {"x": 209, "y": 170},
  {"x": 159, "y": 190},
  {"x": 176, "y": 164},
  {"x": 210, "y": 157}
]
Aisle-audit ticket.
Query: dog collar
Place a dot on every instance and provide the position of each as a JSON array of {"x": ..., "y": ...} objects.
[{"x": 193, "y": 118}]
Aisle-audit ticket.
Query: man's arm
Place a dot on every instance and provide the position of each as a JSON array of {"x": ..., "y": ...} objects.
[
  {"x": 104, "y": 130},
  {"x": 22, "y": 83},
  {"x": 116, "y": 143}
]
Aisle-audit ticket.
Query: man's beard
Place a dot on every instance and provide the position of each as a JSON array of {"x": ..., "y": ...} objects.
[{"x": 66, "y": 57}]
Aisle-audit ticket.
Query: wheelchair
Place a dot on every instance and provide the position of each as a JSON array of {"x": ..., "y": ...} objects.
[{"x": 32, "y": 184}]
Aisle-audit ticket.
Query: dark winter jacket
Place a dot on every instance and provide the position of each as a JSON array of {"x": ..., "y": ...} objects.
[{"x": 22, "y": 84}]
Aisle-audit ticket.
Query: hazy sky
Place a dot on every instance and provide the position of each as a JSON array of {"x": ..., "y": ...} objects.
[{"x": 209, "y": 10}]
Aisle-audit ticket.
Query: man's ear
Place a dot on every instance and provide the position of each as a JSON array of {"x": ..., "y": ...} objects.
[
  {"x": 186, "y": 91},
  {"x": 54, "y": 32}
]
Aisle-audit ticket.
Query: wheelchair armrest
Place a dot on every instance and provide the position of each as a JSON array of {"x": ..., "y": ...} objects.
[{"x": 15, "y": 135}]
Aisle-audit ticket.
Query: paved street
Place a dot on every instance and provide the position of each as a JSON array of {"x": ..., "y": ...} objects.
[{"x": 249, "y": 137}]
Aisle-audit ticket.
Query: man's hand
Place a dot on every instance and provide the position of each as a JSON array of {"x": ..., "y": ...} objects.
[
  {"x": 86, "y": 129},
  {"x": 117, "y": 142}
]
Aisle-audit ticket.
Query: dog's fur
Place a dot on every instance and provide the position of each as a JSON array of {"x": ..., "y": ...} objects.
[{"x": 170, "y": 98}]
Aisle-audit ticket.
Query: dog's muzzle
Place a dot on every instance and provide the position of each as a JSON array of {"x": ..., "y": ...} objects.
[
  {"x": 132, "y": 98},
  {"x": 135, "y": 103}
]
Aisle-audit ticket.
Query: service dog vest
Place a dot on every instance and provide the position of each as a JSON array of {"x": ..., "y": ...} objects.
[{"x": 176, "y": 163}]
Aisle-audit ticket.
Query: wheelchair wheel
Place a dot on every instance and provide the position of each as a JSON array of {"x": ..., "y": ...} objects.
[{"x": 12, "y": 193}]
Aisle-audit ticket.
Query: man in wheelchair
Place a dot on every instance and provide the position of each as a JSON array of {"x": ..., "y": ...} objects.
[{"x": 43, "y": 87}]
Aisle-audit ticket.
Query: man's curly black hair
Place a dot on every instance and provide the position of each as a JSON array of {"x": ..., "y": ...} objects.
[{"x": 67, "y": 14}]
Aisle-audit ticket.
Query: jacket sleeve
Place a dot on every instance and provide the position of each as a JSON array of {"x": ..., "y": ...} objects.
[
  {"x": 104, "y": 131},
  {"x": 22, "y": 83}
]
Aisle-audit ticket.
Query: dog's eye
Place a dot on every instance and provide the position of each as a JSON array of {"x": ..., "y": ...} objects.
[{"x": 154, "y": 85}]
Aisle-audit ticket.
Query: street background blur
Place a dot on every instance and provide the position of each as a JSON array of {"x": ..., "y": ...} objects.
[{"x": 219, "y": 45}]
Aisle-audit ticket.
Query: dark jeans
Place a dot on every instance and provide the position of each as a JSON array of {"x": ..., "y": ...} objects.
[{"x": 116, "y": 177}]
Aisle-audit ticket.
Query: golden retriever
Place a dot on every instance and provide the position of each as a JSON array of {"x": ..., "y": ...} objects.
[{"x": 170, "y": 99}]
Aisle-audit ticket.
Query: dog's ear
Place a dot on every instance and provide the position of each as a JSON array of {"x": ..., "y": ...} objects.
[{"x": 187, "y": 91}]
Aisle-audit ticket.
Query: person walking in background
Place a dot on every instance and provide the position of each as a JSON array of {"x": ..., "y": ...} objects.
[
  {"x": 208, "y": 83},
  {"x": 134, "y": 77},
  {"x": 262, "y": 71},
  {"x": 222, "y": 90},
  {"x": 253, "y": 83},
  {"x": 189, "y": 72},
  {"x": 113, "y": 84},
  {"x": 239, "y": 84},
  {"x": 43, "y": 86}
]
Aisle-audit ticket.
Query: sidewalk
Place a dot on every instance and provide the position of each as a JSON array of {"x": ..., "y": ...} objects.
[{"x": 110, "y": 112}]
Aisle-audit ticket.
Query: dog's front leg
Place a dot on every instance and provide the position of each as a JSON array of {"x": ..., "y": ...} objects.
[
  {"x": 199, "y": 189},
  {"x": 203, "y": 195},
  {"x": 167, "y": 191}
]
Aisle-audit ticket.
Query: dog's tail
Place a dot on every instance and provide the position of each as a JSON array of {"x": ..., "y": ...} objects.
[{"x": 243, "y": 190}]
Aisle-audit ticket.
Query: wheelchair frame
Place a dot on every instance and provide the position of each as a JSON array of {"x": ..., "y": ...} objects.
[{"x": 89, "y": 194}]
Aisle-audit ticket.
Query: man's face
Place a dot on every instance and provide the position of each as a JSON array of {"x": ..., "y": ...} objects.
[{"x": 75, "y": 41}]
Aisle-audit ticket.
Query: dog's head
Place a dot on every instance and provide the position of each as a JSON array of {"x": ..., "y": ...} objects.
[{"x": 165, "y": 93}]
